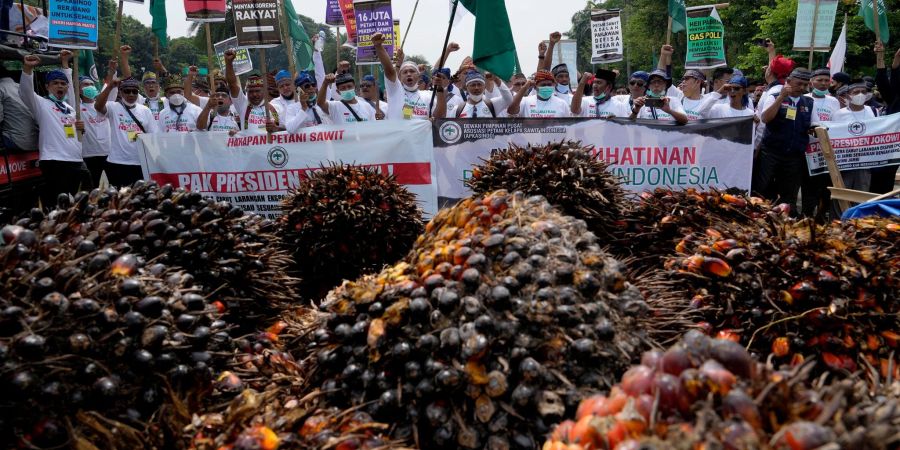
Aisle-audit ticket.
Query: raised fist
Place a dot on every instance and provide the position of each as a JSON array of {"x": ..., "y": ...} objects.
[
  {"x": 31, "y": 61},
  {"x": 377, "y": 39},
  {"x": 126, "y": 50},
  {"x": 230, "y": 54},
  {"x": 555, "y": 37},
  {"x": 65, "y": 54},
  {"x": 452, "y": 47},
  {"x": 193, "y": 71},
  {"x": 329, "y": 79},
  {"x": 666, "y": 50}
]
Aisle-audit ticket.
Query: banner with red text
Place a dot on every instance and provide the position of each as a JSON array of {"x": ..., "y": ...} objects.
[
  {"x": 859, "y": 145},
  {"x": 644, "y": 154},
  {"x": 255, "y": 171}
]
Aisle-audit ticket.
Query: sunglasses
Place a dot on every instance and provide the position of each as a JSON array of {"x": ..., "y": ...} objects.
[
  {"x": 130, "y": 91},
  {"x": 734, "y": 89},
  {"x": 637, "y": 83}
]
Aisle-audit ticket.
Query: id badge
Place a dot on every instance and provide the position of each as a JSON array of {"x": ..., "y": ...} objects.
[
  {"x": 407, "y": 112},
  {"x": 70, "y": 130},
  {"x": 791, "y": 113},
  {"x": 132, "y": 136}
]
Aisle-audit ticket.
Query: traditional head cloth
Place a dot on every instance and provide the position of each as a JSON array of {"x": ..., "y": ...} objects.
[
  {"x": 820, "y": 72},
  {"x": 54, "y": 75},
  {"x": 473, "y": 76},
  {"x": 694, "y": 73},
  {"x": 737, "y": 72},
  {"x": 543, "y": 75},
  {"x": 423, "y": 77},
  {"x": 223, "y": 89},
  {"x": 369, "y": 77},
  {"x": 255, "y": 80},
  {"x": 445, "y": 71},
  {"x": 282, "y": 75},
  {"x": 843, "y": 90},
  {"x": 171, "y": 82},
  {"x": 608, "y": 75},
  {"x": 739, "y": 80},
  {"x": 149, "y": 77},
  {"x": 304, "y": 78},
  {"x": 862, "y": 85},
  {"x": 411, "y": 64},
  {"x": 129, "y": 82},
  {"x": 343, "y": 78},
  {"x": 84, "y": 78},
  {"x": 560, "y": 68},
  {"x": 781, "y": 67},
  {"x": 841, "y": 77},
  {"x": 640, "y": 75},
  {"x": 801, "y": 74}
]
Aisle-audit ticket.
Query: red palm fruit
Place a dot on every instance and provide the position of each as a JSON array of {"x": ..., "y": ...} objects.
[
  {"x": 714, "y": 233},
  {"x": 735, "y": 200},
  {"x": 891, "y": 338},
  {"x": 693, "y": 263},
  {"x": 718, "y": 379},
  {"x": 693, "y": 384},
  {"x": 728, "y": 335},
  {"x": 617, "y": 434},
  {"x": 313, "y": 425},
  {"x": 635, "y": 422},
  {"x": 589, "y": 405},
  {"x": 873, "y": 342},
  {"x": 584, "y": 433},
  {"x": 697, "y": 301},
  {"x": 651, "y": 359},
  {"x": 348, "y": 444},
  {"x": 734, "y": 357},
  {"x": 554, "y": 445},
  {"x": 801, "y": 290},
  {"x": 839, "y": 362},
  {"x": 638, "y": 380},
  {"x": 616, "y": 401},
  {"x": 672, "y": 398},
  {"x": 725, "y": 245},
  {"x": 644, "y": 406},
  {"x": 561, "y": 432},
  {"x": 738, "y": 404},
  {"x": 739, "y": 435},
  {"x": 682, "y": 246},
  {"x": 802, "y": 436},
  {"x": 716, "y": 266},
  {"x": 781, "y": 347},
  {"x": 675, "y": 360}
]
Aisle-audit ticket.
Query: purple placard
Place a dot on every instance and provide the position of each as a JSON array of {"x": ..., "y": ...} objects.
[
  {"x": 333, "y": 16},
  {"x": 373, "y": 16}
]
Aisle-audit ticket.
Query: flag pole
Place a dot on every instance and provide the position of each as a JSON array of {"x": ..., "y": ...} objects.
[
  {"x": 77, "y": 89},
  {"x": 443, "y": 52},
  {"x": 209, "y": 60},
  {"x": 877, "y": 20},
  {"x": 413, "y": 16},
  {"x": 265, "y": 74},
  {"x": 812, "y": 37},
  {"x": 118, "y": 37},
  {"x": 288, "y": 42},
  {"x": 669, "y": 32},
  {"x": 337, "y": 46}
]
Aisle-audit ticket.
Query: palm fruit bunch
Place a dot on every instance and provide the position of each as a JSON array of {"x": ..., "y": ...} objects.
[
  {"x": 565, "y": 173},
  {"x": 710, "y": 393},
  {"x": 661, "y": 218},
  {"x": 790, "y": 289},
  {"x": 117, "y": 301},
  {"x": 344, "y": 221},
  {"x": 502, "y": 317}
]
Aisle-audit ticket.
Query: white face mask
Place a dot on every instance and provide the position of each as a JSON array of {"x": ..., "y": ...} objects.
[
  {"x": 859, "y": 99},
  {"x": 128, "y": 104},
  {"x": 476, "y": 98},
  {"x": 562, "y": 88},
  {"x": 176, "y": 99}
]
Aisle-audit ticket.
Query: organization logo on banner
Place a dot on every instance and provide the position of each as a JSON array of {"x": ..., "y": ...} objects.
[
  {"x": 856, "y": 128},
  {"x": 450, "y": 132},
  {"x": 277, "y": 157}
]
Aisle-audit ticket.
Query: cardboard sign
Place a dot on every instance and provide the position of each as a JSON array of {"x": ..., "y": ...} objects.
[{"x": 256, "y": 23}]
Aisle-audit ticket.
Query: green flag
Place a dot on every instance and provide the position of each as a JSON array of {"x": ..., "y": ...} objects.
[
  {"x": 495, "y": 50},
  {"x": 303, "y": 48},
  {"x": 678, "y": 15},
  {"x": 86, "y": 66},
  {"x": 158, "y": 11},
  {"x": 868, "y": 14}
]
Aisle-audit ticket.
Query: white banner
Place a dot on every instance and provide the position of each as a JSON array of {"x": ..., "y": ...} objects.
[
  {"x": 255, "y": 171},
  {"x": 606, "y": 37},
  {"x": 818, "y": 15},
  {"x": 566, "y": 52},
  {"x": 859, "y": 145},
  {"x": 645, "y": 154}
]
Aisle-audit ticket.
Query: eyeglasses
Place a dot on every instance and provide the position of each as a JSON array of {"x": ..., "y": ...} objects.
[
  {"x": 129, "y": 91},
  {"x": 733, "y": 89},
  {"x": 637, "y": 83}
]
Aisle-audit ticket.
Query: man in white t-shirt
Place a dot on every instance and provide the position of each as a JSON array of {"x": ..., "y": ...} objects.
[
  {"x": 217, "y": 114},
  {"x": 286, "y": 101},
  {"x": 348, "y": 109},
  {"x": 696, "y": 105},
  {"x": 543, "y": 104},
  {"x": 824, "y": 105},
  {"x": 561, "y": 76},
  {"x": 310, "y": 114},
  {"x": 405, "y": 100},
  {"x": 601, "y": 104},
  {"x": 856, "y": 111},
  {"x": 637, "y": 88},
  {"x": 441, "y": 77},
  {"x": 150, "y": 81},
  {"x": 739, "y": 104},
  {"x": 655, "y": 105},
  {"x": 251, "y": 107},
  {"x": 127, "y": 120},
  {"x": 478, "y": 105},
  {"x": 181, "y": 115},
  {"x": 62, "y": 168},
  {"x": 369, "y": 92},
  {"x": 95, "y": 141}
]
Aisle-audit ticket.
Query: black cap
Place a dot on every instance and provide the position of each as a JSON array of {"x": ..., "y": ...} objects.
[
  {"x": 559, "y": 68},
  {"x": 841, "y": 77},
  {"x": 801, "y": 74},
  {"x": 660, "y": 73},
  {"x": 694, "y": 73},
  {"x": 343, "y": 78},
  {"x": 820, "y": 72},
  {"x": 607, "y": 75}
]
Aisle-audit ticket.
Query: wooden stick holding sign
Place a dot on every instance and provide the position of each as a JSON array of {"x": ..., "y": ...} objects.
[
  {"x": 118, "y": 39},
  {"x": 209, "y": 62},
  {"x": 833, "y": 170},
  {"x": 877, "y": 20},
  {"x": 669, "y": 32},
  {"x": 812, "y": 38},
  {"x": 77, "y": 89},
  {"x": 265, "y": 77}
]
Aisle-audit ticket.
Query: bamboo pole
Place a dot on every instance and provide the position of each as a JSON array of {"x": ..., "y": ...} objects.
[
  {"x": 337, "y": 46},
  {"x": 118, "y": 37},
  {"x": 209, "y": 61},
  {"x": 812, "y": 38},
  {"x": 288, "y": 41},
  {"x": 833, "y": 170},
  {"x": 409, "y": 25},
  {"x": 877, "y": 21},
  {"x": 155, "y": 46},
  {"x": 669, "y": 32},
  {"x": 77, "y": 90},
  {"x": 265, "y": 74}
]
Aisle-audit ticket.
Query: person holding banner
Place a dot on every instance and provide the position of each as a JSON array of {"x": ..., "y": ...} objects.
[
  {"x": 478, "y": 105},
  {"x": 251, "y": 107},
  {"x": 857, "y": 111},
  {"x": 349, "y": 109},
  {"x": 656, "y": 105},
  {"x": 405, "y": 101},
  {"x": 61, "y": 164},
  {"x": 543, "y": 104},
  {"x": 601, "y": 105},
  {"x": 127, "y": 119},
  {"x": 217, "y": 114},
  {"x": 181, "y": 115},
  {"x": 780, "y": 166},
  {"x": 883, "y": 178}
]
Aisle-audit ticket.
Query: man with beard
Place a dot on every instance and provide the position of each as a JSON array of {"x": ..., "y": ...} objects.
[
  {"x": 286, "y": 92},
  {"x": 543, "y": 104},
  {"x": 601, "y": 104},
  {"x": 637, "y": 88},
  {"x": 310, "y": 114},
  {"x": 251, "y": 107},
  {"x": 222, "y": 119},
  {"x": 150, "y": 81},
  {"x": 405, "y": 100},
  {"x": 127, "y": 120},
  {"x": 369, "y": 90},
  {"x": 349, "y": 109},
  {"x": 181, "y": 115},
  {"x": 62, "y": 168},
  {"x": 479, "y": 104}
]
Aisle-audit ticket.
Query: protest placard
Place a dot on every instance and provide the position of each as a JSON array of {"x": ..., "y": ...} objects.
[{"x": 606, "y": 37}]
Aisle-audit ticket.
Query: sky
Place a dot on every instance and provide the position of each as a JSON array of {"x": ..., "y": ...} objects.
[{"x": 531, "y": 21}]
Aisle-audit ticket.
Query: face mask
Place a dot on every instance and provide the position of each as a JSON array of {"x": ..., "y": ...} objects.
[
  {"x": 413, "y": 88},
  {"x": 859, "y": 99},
  {"x": 600, "y": 97},
  {"x": 652, "y": 94},
  {"x": 176, "y": 99},
  {"x": 128, "y": 104},
  {"x": 312, "y": 98},
  {"x": 57, "y": 99},
  {"x": 476, "y": 98},
  {"x": 90, "y": 92},
  {"x": 795, "y": 99},
  {"x": 562, "y": 89},
  {"x": 819, "y": 93},
  {"x": 348, "y": 95},
  {"x": 545, "y": 92}
]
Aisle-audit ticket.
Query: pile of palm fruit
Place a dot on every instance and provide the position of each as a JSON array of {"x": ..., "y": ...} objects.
[
  {"x": 502, "y": 318},
  {"x": 116, "y": 302},
  {"x": 710, "y": 393}
]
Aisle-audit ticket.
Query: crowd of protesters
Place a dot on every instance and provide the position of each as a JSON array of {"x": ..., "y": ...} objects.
[{"x": 786, "y": 106}]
